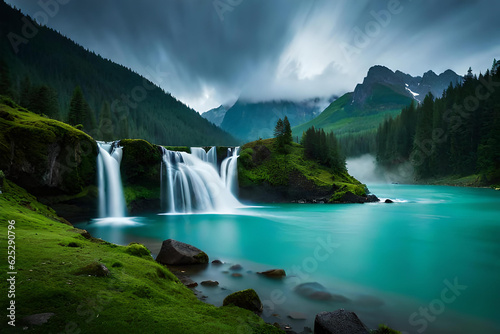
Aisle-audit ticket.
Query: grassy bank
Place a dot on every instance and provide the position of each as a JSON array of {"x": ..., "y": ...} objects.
[{"x": 56, "y": 264}]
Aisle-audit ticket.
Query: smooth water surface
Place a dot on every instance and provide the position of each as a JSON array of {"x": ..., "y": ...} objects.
[{"x": 428, "y": 263}]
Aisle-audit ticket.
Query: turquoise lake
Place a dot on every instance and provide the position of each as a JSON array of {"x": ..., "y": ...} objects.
[{"x": 428, "y": 263}]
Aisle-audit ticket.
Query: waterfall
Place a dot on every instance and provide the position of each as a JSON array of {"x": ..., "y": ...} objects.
[
  {"x": 111, "y": 199},
  {"x": 210, "y": 156},
  {"x": 229, "y": 170},
  {"x": 191, "y": 183}
]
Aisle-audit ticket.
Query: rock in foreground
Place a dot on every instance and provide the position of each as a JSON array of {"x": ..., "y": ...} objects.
[
  {"x": 274, "y": 273},
  {"x": 339, "y": 322},
  {"x": 247, "y": 299},
  {"x": 177, "y": 253},
  {"x": 313, "y": 290}
]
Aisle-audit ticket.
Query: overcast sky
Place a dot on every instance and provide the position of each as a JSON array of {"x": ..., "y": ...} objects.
[{"x": 210, "y": 52}]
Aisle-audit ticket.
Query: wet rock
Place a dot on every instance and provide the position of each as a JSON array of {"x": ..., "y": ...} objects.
[
  {"x": 388, "y": 201},
  {"x": 209, "y": 283},
  {"x": 237, "y": 275},
  {"x": 274, "y": 273},
  {"x": 187, "y": 281},
  {"x": 247, "y": 299},
  {"x": 217, "y": 262},
  {"x": 339, "y": 322},
  {"x": 236, "y": 267},
  {"x": 297, "y": 316},
  {"x": 313, "y": 291},
  {"x": 174, "y": 252}
]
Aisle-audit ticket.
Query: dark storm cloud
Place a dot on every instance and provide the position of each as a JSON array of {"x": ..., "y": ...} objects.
[{"x": 208, "y": 52}]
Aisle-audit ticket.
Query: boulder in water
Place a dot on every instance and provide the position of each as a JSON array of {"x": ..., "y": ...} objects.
[
  {"x": 313, "y": 290},
  {"x": 209, "y": 283},
  {"x": 388, "y": 201},
  {"x": 236, "y": 267},
  {"x": 174, "y": 252},
  {"x": 297, "y": 316},
  {"x": 339, "y": 322},
  {"x": 217, "y": 262},
  {"x": 247, "y": 299},
  {"x": 274, "y": 273}
]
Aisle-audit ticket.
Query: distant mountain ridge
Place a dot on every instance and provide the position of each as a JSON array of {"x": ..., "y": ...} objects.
[
  {"x": 250, "y": 121},
  {"x": 216, "y": 115},
  {"x": 405, "y": 84},
  {"x": 382, "y": 93}
]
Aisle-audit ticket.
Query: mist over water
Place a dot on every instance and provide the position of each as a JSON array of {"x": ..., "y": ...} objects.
[{"x": 366, "y": 169}]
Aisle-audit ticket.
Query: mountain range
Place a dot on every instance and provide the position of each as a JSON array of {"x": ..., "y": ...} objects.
[
  {"x": 250, "y": 121},
  {"x": 383, "y": 93}
]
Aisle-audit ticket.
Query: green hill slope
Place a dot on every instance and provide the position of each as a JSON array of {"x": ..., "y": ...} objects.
[{"x": 345, "y": 117}]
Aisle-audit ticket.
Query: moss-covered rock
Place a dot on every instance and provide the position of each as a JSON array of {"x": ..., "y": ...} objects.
[
  {"x": 141, "y": 161},
  {"x": 140, "y": 170},
  {"x": 45, "y": 156},
  {"x": 94, "y": 269},
  {"x": 139, "y": 250},
  {"x": 247, "y": 299}
]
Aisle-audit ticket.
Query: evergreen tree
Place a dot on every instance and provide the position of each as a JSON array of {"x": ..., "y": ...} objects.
[
  {"x": 323, "y": 148},
  {"x": 279, "y": 128},
  {"x": 279, "y": 132},
  {"x": 287, "y": 132},
  {"x": 105, "y": 128},
  {"x": 43, "y": 101},
  {"x": 79, "y": 110}
]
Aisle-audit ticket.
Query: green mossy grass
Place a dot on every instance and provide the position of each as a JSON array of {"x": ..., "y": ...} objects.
[
  {"x": 178, "y": 148},
  {"x": 133, "y": 192},
  {"x": 138, "y": 296},
  {"x": 29, "y": 141}
]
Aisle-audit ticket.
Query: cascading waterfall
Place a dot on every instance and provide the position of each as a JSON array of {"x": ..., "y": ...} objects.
[
  {"x": 191, "y": 183},
  {"x": 229, "y": 170},
  {"x": 210, "y": 156},
  {"x": 111, "y": 199}
]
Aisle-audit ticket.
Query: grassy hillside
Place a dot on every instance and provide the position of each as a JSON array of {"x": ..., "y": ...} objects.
[
  {"x": 56, "y": 264},
  {"x": 343, "y": 117},
  {"x": 267, "y": 175}
]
